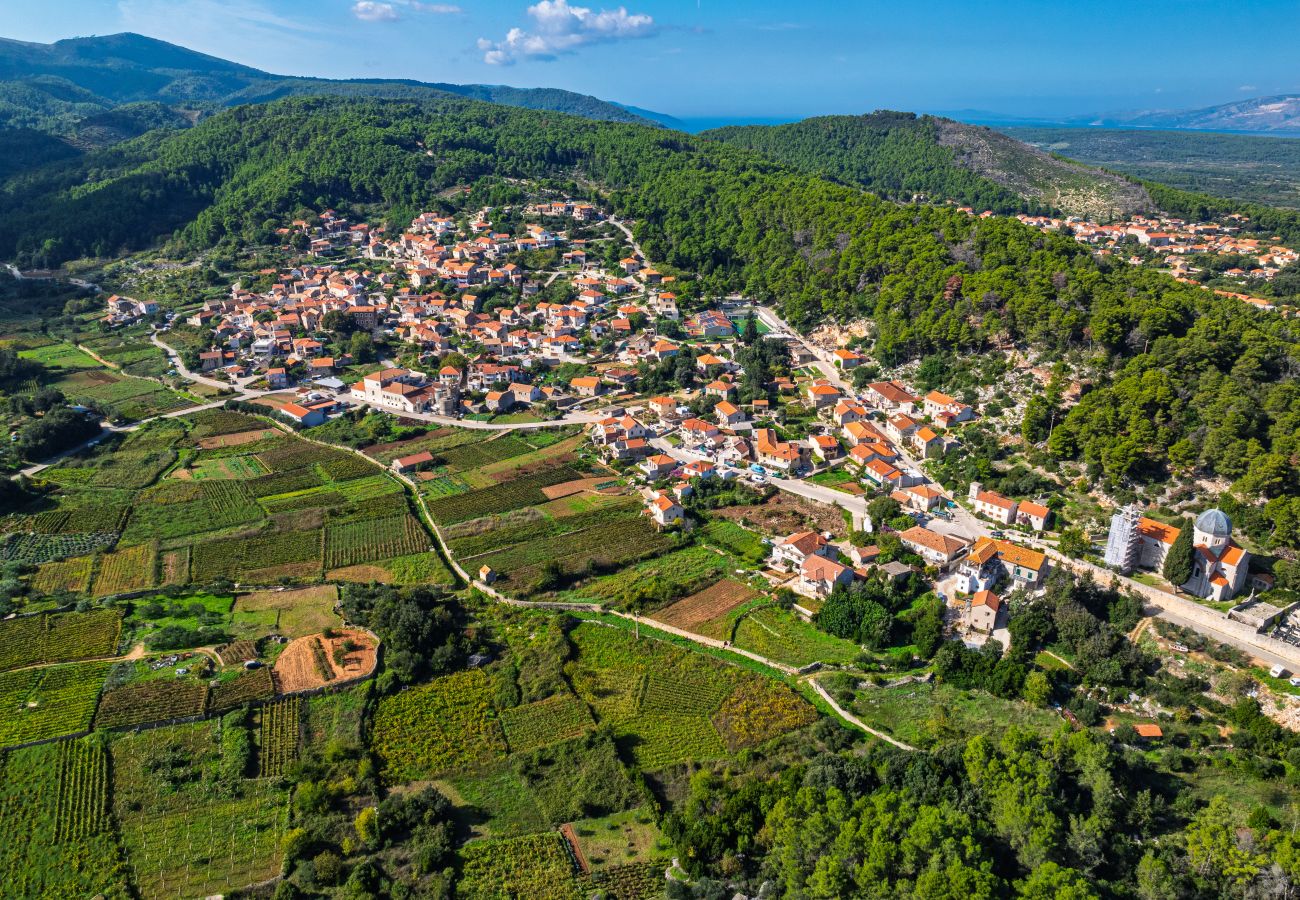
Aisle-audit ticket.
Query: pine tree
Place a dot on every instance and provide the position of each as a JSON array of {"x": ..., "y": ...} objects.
[{"x": 1178, "y": 561}]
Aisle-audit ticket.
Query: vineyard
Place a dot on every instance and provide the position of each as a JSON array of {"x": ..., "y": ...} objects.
[
  {"x": 243, "y": 688},
  {"x": 55, "y": 839},
  {"x": 82, "y": 808},
  {"x": 281, "y": 729},
  {"x": 512, "y": 494},
  {"x": 537, "y": 866},
  {"x": 151, "y": 701},
  {"x": 65, "y": 575},
  {"x": 36, "y": 704},
  {"x": 126, "y": 570},
  {"x": 59, "y": 637},
  {"x": 446, "y": 724},
  {"x": 183, "y": 838},
  {"x": 545, "y": 722},
  {"x": 238, "y": 558},
  {"x": 712, "y": 602},
  {"x": 29, "y": 547},
  {"x": 358, "y": 542}
]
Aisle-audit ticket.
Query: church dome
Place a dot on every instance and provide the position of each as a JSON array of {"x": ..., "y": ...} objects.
[{"x": 1215, "y": 523}]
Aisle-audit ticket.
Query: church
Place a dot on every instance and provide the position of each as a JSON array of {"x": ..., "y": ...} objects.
[{"x": 1220, "y": 567}]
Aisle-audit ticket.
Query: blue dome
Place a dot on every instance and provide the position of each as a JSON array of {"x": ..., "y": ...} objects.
[{"x": 1215, "y": 523}]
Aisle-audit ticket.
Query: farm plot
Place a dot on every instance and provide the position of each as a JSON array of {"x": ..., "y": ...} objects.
[
  {"x": 131, "y": 468},
  {"x": 657, "y": 581},
  {"x": 243, "y": 688},
  {"x": 514, "y": 494},
  {"x": 482, "y": 453},
  {"x": 250, "y": 558},
  {"x": 415, "y": 568},
  {"x": 60, "y": 356},
  {"x": 340, "y": 466},
  {"x": 287, "y": 454},
  {"x": 36, "y": 704},
  {"x": 58, "y": 637},
  {"x": 660, "y": 701},
  {"x": 781, "y": 635},
  {"x": 157, "y": 700},
  {"x": 103, "y": 516},
  {"x": 758, "y": 711},
  {"x": 545, "y": 722},
  {"x": 211, "y": 423},
  {"x": 714, "y": 601},
  {"x": 56, "y": 839},
  {"x": 236, "y": 653},
  {"x": 444, "y": 725},
  {"x": 358, "y": 542},
  {"x": 28, "y": 547},
  {"x": 278, "y": 737},
  {"x": 182, "y": 838},
  {"x": 65, "y": 575},
  {"x": 297, "y": 612},
  {"x": 284, "y": 483},
  {"x": 167, "y": 516},
  {"x": 312, "y": 661},
  {"x": 125, "y": 570},
  {"x": 230, "y": 500},
  {"x": 537, "y": 866},
  {"x": 226, "y": 467}
]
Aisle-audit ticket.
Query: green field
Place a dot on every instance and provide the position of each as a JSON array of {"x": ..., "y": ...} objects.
[
  {"x": 925, "y": 714},
  {"x": 48, "y": 702}
]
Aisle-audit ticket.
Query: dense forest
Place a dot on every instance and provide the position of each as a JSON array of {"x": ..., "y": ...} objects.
[{"x": 1190, "y": 382}]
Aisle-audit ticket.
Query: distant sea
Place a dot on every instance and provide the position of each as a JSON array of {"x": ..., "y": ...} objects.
[{"x": 696, "y": 125}]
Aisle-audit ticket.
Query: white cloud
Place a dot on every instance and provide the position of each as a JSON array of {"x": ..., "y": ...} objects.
[
  {"x": 560, "y": 28},
  {"x": 1248, "y": 88},
  {"x": 372, "y": 11},
  {"x": 381, "y": 11}
]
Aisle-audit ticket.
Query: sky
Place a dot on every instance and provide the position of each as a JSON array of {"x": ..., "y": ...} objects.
[{"x": 761, "y": 59}]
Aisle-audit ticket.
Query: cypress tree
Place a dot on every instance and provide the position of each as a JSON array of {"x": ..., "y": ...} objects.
[{"x": 1178, "y": 561}]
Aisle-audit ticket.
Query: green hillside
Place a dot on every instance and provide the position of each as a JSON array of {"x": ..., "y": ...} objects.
[
  {"x": 55, "y": 87},
  {"x": 902, "y": 156}
]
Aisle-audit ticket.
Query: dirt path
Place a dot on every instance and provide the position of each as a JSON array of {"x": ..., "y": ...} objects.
[{"x": 854, "y": 720}]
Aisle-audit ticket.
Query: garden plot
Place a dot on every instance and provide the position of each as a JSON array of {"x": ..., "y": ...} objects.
[
  {"x": 713, "y": 602},
  {"x": 297, "y": 612},
  {"x": 316, "y": 660}
]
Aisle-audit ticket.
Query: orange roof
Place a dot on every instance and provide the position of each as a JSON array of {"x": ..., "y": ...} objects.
[
  {"x": 1148, "y": 730},
  {"x": 1159, "y": 531},
  {"x": 986, "y": 598},
  {"x": 1021, "y": 556},
  {"x": 932, "y": 540},
  {"x": 1030, "y": 508}
]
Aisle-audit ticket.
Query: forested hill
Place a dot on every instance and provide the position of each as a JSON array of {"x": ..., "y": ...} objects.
[
  {"x": 55, "y": 87},
  {"x": 900, "y": 155},
  {"x": 1190, "y": 381}
]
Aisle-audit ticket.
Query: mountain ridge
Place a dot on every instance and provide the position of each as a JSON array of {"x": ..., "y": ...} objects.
[{"x": 53, "y": 87}]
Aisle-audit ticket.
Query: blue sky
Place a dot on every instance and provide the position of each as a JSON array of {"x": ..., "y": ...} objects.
[{"x": 709, "y": 58}]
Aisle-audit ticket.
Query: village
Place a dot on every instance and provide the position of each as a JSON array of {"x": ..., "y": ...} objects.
[
  {"x": 1175, "y": 244},
  {"x": 592, "y": 335}
]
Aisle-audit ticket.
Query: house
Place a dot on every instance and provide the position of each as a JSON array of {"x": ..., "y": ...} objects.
[
  {"x": 848, "y": 359},
  {"x": 700, "y": 469},
  {"x": 1025, "y": 567},
  {"x": 210, "y": 360},
  {"x": 586, "y": 386},
  {"x": 698, "y": 430},
  {"x": 487, "y": 574},
  {"x": 825, "y": 447},
  {"x": 926, "y": 442},
  {"x": 847, "y": 411},
  {"x": 661, "y": 465},
  {"x": 277, "y": 377},
  {"x": 945, "y": 409},
  {"x": 992, "y": 505},
  {"x": 820, "y": 575},
  {"x": 922, "y": 497},
  {"x": 710, "y": 324},
  {"x": 728, "y": 414},
  {"x": 307, "y": 418},
  {"x": 890, "y": 395},
  {"x": 789, "y": 553},
  {"x": 720, "y": 389},
  {"x": 665, "y": 511},
  {"x": 983, "y": 611},
  {"x": 414, "y": 462},
  {"x": 665, "y": 408},
  {"x": 936, "y": 549},
  {"x": 781, "y": 455},
  {"x": 823, "y": 396},
  {"x": 1034, "y": 515}
]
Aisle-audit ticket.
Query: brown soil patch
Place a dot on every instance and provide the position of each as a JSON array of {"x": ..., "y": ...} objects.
[
  {"x": 297, "y": 670},
  {"x": 362, "y": 574},
  {"x": 98, "y": 378},
  {"x": 713, "y": 602},
  {"x": 579, "y": 857},
  {"x": 176, "y": 566},
  {"x": 181, "y": 475},
  {"x": 568, "y": 488},
  {"x": 783, "y": 514},
  {"x": 258, "y": 600},
  {"x": 236, "y": 439}
]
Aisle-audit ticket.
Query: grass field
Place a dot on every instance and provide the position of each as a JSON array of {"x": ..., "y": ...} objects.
[
  {"x": 60, "y": 356},
  {"x": 783, "y": 636},
  {"x": 293, "y": 613},
  {"x": 926, "y": 714}
]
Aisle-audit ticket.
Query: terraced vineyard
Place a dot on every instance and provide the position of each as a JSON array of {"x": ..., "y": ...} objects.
[
  {"x": 157, "y": 700},
  {"x": 61, "y": 637},
  {"x": 281, "y": 727},
  {"x": 48, "y": 702},
  {"x": 446, "y": 724},
  {"x": 358, "y": 542},
  {"x": 545, "y": 722}
]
